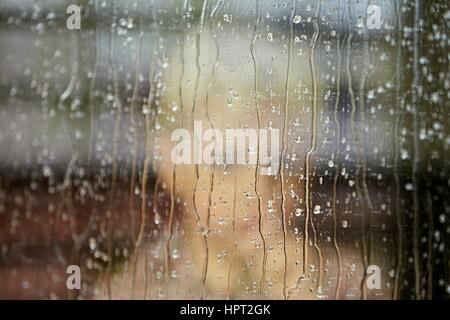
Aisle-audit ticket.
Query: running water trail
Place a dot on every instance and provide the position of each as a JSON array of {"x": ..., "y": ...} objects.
[
  {"x": 197, "y": 175},
  {"x": 312, "y": 149},
  {"x": 208, "y": 115},
  {"x": 258, "y": 116},
  {"x": 210, "y": 84},
  {"x": 283, "y": 151},
  {"x": 338, "y": 151},
  {"x": 146, "y": 166},
  {"x": 135, "y": 147},
  {"x": 133, "y": 127},
  {"x": 361, "y": 145},
  {"x": 145, "y": 170},
  {"x": 66, "y": 186},
  {"x": 235, "y": 236},
  {"x": 415, "y": 92},
  {"x": 92, "y": 92},
  {"x": 117, "y": 107},
  {"x": 146, "y": 276},
  {"x": 399, "y": 101},
  {"x": 173, "y": 180},
  {"x": 353, "y": 135},
  {"x": 182, "y": 62},
  {"x": 430, "y": 257}
]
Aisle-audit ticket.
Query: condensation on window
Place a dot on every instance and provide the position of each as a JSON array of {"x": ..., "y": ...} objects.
[{"x": 354, "y": 99}]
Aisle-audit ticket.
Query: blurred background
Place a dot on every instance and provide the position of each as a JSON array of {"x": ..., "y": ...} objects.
[{"x": 86, "y": 176}]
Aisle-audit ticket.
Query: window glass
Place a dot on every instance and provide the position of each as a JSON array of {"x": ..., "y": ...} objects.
[{"x": 186, "y": 149}]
